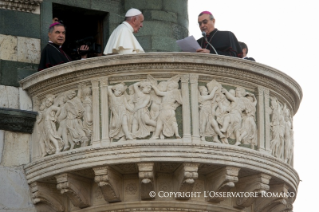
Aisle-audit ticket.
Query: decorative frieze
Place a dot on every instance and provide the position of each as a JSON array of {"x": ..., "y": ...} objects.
[
  {"x": 23, "y": 6},
  {"x": 17, "y": 120}
]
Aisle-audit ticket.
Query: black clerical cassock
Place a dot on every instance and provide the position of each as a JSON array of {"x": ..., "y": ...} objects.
[
  {"x": 224, "y": 42},
  {"x": 52, "y": 55}
]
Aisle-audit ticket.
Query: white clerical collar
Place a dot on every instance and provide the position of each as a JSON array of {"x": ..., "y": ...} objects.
[
  {"x": 53, "y": 43},
  {"x": 128, "y": 25}
]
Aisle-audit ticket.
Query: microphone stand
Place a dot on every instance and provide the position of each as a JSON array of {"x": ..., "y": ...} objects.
[{"x": 204, "y": 35}]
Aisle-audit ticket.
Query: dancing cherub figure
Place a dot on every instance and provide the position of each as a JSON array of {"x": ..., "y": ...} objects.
[
  {"x": 208, "y": 124},
  {"x": 48, "y": 118},
  {"x": 119, "y": 127},
  {"x": 143, "y": 125},
  {"x": 232, "y": 120},
  {"x": 166, "y": 121}
]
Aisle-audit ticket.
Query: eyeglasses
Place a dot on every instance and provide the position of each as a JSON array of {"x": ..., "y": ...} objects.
[{"x": 203, "y": 22}]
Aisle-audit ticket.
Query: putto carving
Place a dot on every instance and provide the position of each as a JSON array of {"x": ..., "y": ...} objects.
[
  {"x": 49, "y": 140},
  {"x": 171, "y": 99},
  {"x": 142, "y": 125},
  {"x": 186, "y": 175},
  {"x": 289, "y": 135},
  {"x": 281, "y": 127},
  {"x": 207, "y": 111},
  {"x": 44, "y": 193},
  {"x": 222, "y": 180},
  {"x": 65, "y": 120},
  {"x": 120, "y": 109},
  {"x": 146, "y": 175},
  {"x": 227, "y": 114},
  {"x": 109, "y": 182},
  {"x": 148, "y": 107},
  {"x": 277, "y": 128}
]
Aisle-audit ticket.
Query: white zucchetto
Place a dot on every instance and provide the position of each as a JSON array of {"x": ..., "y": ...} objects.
[{"x": 132, "y": 12}]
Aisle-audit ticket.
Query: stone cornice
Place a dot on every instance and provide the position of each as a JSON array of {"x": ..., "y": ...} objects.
[
  {"x": 147, "y": 151},
  {"x": 159, "y": 206},
  {"x": 119, "y": 65},
  {"x": 17, "y": 120},
  {"x": 24, "y": 6}
]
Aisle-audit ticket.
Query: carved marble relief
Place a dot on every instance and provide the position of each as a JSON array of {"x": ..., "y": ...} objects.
[
  {"x": 281, "y": 127},
  {"x": 227, "y": 114},
  {"x": 149, "y": 107},
  {"x": 65, "y": 120}
]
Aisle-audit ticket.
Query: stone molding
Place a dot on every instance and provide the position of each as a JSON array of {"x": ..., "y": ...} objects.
[
  {"x": 160, "y": 206},
  {"x": 157, "y": 151},
  {"x": 255, "y": 73},
  {"x": 17, "y": 120},
  {"x": 24, "y": 6}
]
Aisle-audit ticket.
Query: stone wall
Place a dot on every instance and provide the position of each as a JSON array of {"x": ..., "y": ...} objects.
[{"x": 165, "y": 22}]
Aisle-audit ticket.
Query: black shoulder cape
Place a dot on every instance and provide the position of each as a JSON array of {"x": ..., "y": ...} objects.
[
  {"x": 52, "y": 55},
  {"x": 224, "y": 42}
]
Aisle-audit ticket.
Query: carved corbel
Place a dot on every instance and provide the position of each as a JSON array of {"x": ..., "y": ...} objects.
[
  {"x": 109, "y": 182},
  {"x": 76, "y": 188},
  {"x": 146, "y": 175},
  {"x": 42, "y": 193},
  {"x": 276, "y": 199},
  {"x": 186, "y": 176},
  {"x": 251, "y": 185},
  {"x": 221, "y": 180}
]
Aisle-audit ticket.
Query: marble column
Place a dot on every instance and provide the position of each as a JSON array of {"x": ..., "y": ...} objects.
[
  {"x": 96, "y": 113},
  {"x": 186, "y": 109},
  {"x": 104, "y": 111},
  {"x": 194, "y": 102}
]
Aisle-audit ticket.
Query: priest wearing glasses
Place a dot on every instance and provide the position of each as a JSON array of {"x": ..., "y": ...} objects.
[{"x": 215, "y": 41}]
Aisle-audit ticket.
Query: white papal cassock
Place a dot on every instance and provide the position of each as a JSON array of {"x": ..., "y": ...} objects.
[{"x": 122, "y": 41}]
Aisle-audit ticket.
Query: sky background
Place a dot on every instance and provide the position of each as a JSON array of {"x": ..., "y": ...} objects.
[{"x": 282, "y": 34}]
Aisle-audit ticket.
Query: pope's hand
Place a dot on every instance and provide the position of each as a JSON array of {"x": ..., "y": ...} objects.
[{"x": 203, "y": 51}]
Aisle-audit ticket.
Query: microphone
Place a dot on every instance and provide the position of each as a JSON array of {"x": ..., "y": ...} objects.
[{"x": 204, "y": 35}]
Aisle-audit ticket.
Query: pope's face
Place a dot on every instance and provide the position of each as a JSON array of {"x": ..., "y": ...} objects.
[
  {"x": 58, "y": 35},
  {"x": 138, "y": 22},
  {"x": 205, "y": 24}
]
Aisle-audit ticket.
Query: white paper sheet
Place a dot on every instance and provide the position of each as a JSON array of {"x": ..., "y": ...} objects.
[{"x": 188, "y": 44}]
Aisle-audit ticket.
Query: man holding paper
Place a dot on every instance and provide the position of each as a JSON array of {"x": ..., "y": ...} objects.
[{"x": 215, "y": 41}]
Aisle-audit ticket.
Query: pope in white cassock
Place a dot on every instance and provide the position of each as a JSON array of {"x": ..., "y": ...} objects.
[{"x": 122, "y": 40}]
